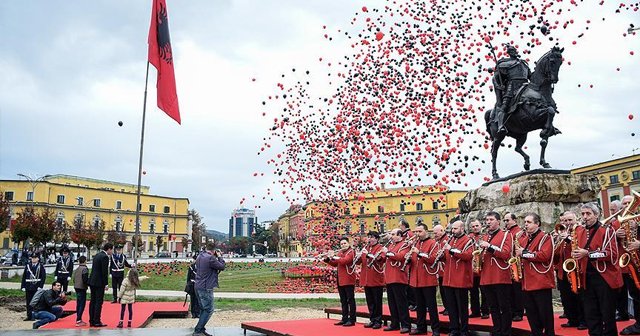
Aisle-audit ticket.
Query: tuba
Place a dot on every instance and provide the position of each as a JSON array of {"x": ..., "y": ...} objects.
[{"x": 570, "y": 265}]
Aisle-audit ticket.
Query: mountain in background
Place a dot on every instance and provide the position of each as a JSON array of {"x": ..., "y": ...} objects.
[{"x": 217, "y": 235}]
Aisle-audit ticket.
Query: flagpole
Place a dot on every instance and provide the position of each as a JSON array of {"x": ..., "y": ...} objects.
[{"x": 144, "y": 114}]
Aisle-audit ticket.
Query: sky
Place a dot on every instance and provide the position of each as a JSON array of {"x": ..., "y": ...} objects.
[{"x": 71, "y": 70}]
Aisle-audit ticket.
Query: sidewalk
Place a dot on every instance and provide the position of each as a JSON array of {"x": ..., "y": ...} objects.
[{"x": 225, "y": 295}]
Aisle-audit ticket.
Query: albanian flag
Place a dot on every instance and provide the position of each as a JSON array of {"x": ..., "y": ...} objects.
[{"x": 161, "y": 56}]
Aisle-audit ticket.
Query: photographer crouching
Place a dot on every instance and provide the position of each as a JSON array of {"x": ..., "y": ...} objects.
[{"x": 48, "y": 306}]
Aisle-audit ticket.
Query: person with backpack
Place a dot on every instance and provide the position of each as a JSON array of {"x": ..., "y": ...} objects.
[
  {"x": 190, "y": 288},
  {"x": 47, "y": 305},
  {"x": 80, "y": 284},
  {"x": 33, "y": 278}
]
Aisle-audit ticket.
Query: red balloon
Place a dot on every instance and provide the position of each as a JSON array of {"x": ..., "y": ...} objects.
[
  {"x": 630, "y": 116},
  {"x": 505, "y": 188}
]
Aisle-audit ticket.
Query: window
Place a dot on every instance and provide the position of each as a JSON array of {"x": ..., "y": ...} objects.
[
  {"x": 152, "y": 226},
  {"x": 60, "y": 199},
  {"x": 347, "y": 227},
  {"x": 118, "y": 225},
  {"x": 635, "y": 174},
  {"x": 80, "y": 200},
  {"x": 165, "y": 227},
  {"x": 435, "y": 205},
  {"x": 118, "y": 205},
  {"x": 167, "y": 209},
  {"x": 418, "y": 206},
  {"x": 380, "y": 208},
  {"x": 8, "y": 195},
  {"x": 402, "y": 206},
  {"x": 362, "y": 210},
  {"x": 152, "y": 208},
  {"x": 614, "y": 198},
  {"x": 362, "y": 227},
  {"x": 347, "y": 211},
  {"x": 380, "y": 226},
  {"x": 29, "y": 195},
  {"x": 96, "y": 222},
  {"x": 139, "y": 207},
  {"x": 614, "y": 179},
  {"x": 96, "y": 202}
]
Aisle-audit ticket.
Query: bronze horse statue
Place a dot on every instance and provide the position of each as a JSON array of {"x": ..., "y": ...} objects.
[{"x": 532, "y": 108}]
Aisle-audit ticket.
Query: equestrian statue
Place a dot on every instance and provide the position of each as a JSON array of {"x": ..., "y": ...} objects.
[{"x": 523, "y": 102}]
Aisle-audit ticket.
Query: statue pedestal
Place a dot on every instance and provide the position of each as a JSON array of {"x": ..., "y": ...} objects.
[{"x": 546, "y": 193}]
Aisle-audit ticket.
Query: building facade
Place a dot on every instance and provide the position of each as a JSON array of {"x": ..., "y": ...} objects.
[
  {"x": 617, "y": 178},
  {"x": 291, "y": 226},
  {"x": 77, "y": 199},
  {"x": 242, "y": 222}
]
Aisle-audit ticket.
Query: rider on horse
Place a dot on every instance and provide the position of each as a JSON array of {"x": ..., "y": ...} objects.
[{"x": 510, "y": 75}]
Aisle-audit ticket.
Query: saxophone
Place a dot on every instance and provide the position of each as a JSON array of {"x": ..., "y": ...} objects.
[
  {"x": 570, "y": 265},
  {"x": 629, "y": 259},
  {"x": 515, "y": 262},
  {"x": 476, "y": 262}
]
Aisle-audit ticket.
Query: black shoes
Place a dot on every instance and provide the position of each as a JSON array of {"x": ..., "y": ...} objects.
[
  {"x": 418, "y": 332},
  {"x": 348, "y": 324},
  {"x": 484, "y": 316},
  {"x": 368, "y": 325},
  {"x": 412, "y": 308},
  {"x": 99, "y": 325},
  {"x": 405, "y": 330},
  {"x": 474, "y": 315},
  {"x": 340, "y": 323},
  {"x": 631, "y": 330},
  {"x": 622, "y": 317},
  {"x": 376, "y": 326},
  {"x": 444, "y": 312},
  {"x": 391, "y": 328},
  {"x": 516, "y": 319}
]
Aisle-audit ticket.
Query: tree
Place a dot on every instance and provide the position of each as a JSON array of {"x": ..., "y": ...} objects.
[
  {"x": 185, "y": 244},
  {"x": 98, "y": 229},
  {"x": 159, "y": 242},
  {"x": 140, "y": 244},
  {"x": 239, "y": 244},
  {"x": 45, "y": 226},
  {"x": 197, "y": 229},
  {"x": 5, "y": 213},
  {"x": 116, "y": 237},
  {"x": 61, "y": 234},
  {"x": 24, "y": 226}
]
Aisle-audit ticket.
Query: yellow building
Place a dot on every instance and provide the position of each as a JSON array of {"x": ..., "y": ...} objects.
[
  {"x": 381, "y": 210},
  {"x": 617, "y": 178},
  {"x": 89, "y": 200},
  {"x": 291, "y": 232}
]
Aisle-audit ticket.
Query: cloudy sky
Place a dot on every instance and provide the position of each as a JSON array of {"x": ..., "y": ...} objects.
[{"x": 70, "y": 70}]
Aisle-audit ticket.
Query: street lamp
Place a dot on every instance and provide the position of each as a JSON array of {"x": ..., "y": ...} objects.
[{"x": 34, "y": 183}]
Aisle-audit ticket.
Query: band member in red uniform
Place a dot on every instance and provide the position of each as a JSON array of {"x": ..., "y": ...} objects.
[
  {"x": 632, "y": 245},
  {"x": 397, "y": 282},
  {"x": 477, "y": 299},
  {"x": 600, "y": 277},
  {"x": 517, "y": 304},
  {"x": 536, "y": 258},
  {"x": 372, "y": 278},
  {"x": 406, "y": 233},
  {"x": 622, "y": 302},
  {"x": 424, "y": 280},
  {"x": 570, "y": 300},
  {"x": 495, "y": 277},
  {"x": 458, "y": 278},
  {"x": 440, "y": 236},
  {"x": 346, "y": 281}
]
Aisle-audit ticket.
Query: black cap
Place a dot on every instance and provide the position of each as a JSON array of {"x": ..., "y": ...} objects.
[
  {"x": 65, "y": 249},
  {"x": 35, "y": 255},
  {"x": 118, "y": 247},
  {"x": 374, "y": 234}
]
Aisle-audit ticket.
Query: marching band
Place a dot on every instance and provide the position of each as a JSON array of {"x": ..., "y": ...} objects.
[{"x": 589, "y": 260}]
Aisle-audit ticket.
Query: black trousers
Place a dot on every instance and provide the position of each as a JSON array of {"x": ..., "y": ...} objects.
[
  {"x": 599, "y": 302},
  {"x": 115, "y": 284},
  {"x": 95, "y": 306},
  {"x": 398, "y": 306},
  {"x": 622, "y": 299},
  {"x": 477, "y": 298},
  {"x": 634, "y": 292},
  {"x": 499, "y": 301},
  {"x": 63, "y": 279},
  {"x": 411, "y": 298},
  {"x": 517, "y": 303},
  {"x": 539, "y": 312},
  {"x": 571, "y": 302},
  {"x": 348, "y": 302},
  {"x": 458, "y": 307},
  {"x": 29, "y": 296},
  {"x": 443, "y": 294},
  {"x": 374, "y": 303},
  {"x": 426, "y": 301}
]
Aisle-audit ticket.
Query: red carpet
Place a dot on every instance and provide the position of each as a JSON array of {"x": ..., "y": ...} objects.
[{"x": 143, "y": 312}]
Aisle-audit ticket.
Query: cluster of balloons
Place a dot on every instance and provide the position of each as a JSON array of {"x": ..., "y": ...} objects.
[{"x": 404, "y": 105}]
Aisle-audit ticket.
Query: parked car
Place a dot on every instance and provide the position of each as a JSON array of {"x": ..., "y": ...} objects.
[
  {"x": 270, "y": 255},
  {"x": 257, "y": 255},
  {"x": 163, "y": 255},
  {"x": 6, "y": 259}
]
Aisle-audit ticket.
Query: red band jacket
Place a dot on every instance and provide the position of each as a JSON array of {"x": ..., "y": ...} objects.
[
  {"x": 537, "y": 261},
  {"x": 372, "y": 276},
  {"x": 343, "y": 261},
  {"x": 495, "y": 266},
  {"x": 458, "y": 272},
  {"x": 603, "y": 254},
  {"x": 422, "y": 274},
  {"x": 393, "y": 272}
]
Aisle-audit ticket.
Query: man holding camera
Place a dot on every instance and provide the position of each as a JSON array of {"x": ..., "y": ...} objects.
[{"x": 209, "y": 263}]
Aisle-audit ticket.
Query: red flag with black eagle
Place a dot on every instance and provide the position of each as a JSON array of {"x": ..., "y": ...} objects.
[{"x": 161, "y": 56}]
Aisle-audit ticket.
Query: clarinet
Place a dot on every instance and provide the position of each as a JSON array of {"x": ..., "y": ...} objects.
[
  {"x": 440, "y": 254},
  {"x": 373, "y": 260},
  {"x": 407, "y": 256}
]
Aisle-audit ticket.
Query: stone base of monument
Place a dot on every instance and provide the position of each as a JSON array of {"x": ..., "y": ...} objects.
[{"x": 545, "y": 192}]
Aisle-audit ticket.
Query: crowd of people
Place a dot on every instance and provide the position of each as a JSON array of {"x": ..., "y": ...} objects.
[{"x": 499, "y": 272}]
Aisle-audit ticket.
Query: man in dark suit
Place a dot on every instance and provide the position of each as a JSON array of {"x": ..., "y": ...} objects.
[{"x": 99, "y": 283}]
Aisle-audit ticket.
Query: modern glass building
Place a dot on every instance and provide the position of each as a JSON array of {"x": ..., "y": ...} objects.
[{"x": 241, "y": 223}]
